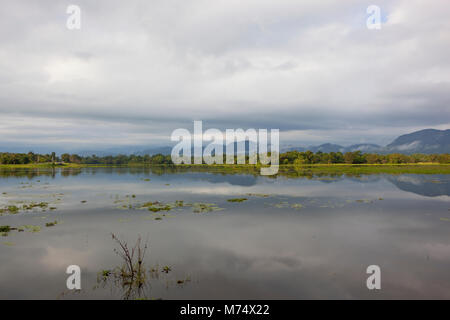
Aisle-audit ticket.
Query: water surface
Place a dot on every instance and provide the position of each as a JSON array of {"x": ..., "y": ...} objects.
[{"x": 294, "y": 238}]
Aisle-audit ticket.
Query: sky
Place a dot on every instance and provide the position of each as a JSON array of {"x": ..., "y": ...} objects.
[{"x": 137, "y": 70}]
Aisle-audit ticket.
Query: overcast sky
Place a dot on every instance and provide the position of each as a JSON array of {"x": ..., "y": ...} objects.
[{"x": 136, "y": 70}]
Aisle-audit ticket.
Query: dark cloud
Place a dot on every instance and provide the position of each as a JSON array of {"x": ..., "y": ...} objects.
[{"x": 139, "y": 69}]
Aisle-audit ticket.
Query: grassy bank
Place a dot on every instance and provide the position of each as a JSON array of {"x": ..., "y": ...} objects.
[
  {"x": 416, "y": 168},
  {"x": 374, "y": 168}
]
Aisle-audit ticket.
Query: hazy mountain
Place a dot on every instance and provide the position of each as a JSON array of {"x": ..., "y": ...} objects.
[
  {"x": 363, "y": 147},
  {"x": 152, "y": 151},
  {"x": 423, "y": 141},
  {"x": 326, "y": 148},
  {"x": 329, "y": 147},
  {"x": 137, "y": 150}
]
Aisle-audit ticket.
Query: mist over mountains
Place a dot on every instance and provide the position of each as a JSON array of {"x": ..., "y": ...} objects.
[{"x": 425, "y": 141}]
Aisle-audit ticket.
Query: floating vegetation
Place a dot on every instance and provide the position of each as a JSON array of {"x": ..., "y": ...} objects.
[
  {"x": 5, "y": 228},
  {"x": 51, "y": 224},
  {"x": 166, "y": 269},
  {"x": 282, "y": 204},
  {"x": 83, "y": 201},
  {"x": 32, "y": 228},
  {"x": 12, "y": 209},
  {"x": 262, "y": 195},
  {"x": 296, "y": 206},
  {"x": 179, "y": 203},
  {"x": 158, "y": 218},
  {"x": 103, "y": 275},
  {"x": 237, "y": 200},
  {"x": 199, "y": 207},
  {"x": 183, "y": 281},
  {"x": 32, "y": 205},
  {"x": 364, "y": 201},
  {"x": 157, "y": 206}
]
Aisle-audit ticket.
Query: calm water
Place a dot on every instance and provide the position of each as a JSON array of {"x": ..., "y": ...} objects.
[{"x": 294, "y": 238}]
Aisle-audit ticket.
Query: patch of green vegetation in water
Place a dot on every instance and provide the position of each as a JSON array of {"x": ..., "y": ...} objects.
[
  {"x": 5, "y": 228},
  {"x": 237, "y": 200},
  {"x": 51, "y": 224},
  {"x": 200, "y": 207},
  {"x": 32, "y": 228}
]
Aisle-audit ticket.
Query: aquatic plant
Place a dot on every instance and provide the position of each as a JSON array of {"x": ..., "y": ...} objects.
[
  {"x": 200, "y": 207},
  {"x": 12, "y": 209},
  {"x": 263, "y": 195},
  {"x": 131, "y": 276},
  {"x": 237, "y": 200},
  {"x": 296, "y": 206},
  {"x": 51, "y": 224},
  {"x": 32, "y": 228},
  {"x": 5, "y": 228},
  {"x": 33, "y": 205}
]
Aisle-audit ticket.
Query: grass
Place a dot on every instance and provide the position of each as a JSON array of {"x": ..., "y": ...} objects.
[
  {"x": 417, "y": 168},
  {"x": 289, "y": 169},
  {"x": 325, "y": 169}
]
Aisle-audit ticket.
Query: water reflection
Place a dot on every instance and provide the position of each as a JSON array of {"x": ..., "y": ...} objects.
[{"x": 309, "y": 237}]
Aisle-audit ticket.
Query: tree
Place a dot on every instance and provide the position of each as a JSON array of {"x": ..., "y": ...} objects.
[{"x": 65, "y": 157}]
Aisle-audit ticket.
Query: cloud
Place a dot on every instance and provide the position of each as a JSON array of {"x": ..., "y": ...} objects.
[{"x": 139, "y": 69}]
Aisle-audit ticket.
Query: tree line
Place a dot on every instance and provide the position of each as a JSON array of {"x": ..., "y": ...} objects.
[
  {"x": 30, "y": 157},
  {"x": 291, "y": 157}
]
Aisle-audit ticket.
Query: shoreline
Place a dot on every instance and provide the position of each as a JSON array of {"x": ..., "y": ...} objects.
[{"x": 337, "y": 168}]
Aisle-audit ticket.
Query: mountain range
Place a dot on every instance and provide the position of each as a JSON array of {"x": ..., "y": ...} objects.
[{"x": 424, "y": 141}]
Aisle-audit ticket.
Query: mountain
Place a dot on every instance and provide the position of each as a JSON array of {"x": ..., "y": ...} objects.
[
  {"x": 137, "y": 150},
  {"x": 363, "y": 147},
  {"x": 423, "y": 141},
  {"x": 326, "y": 148},
  {"x": 152, "y": 151},
  {"x": 329, "y": 147}
]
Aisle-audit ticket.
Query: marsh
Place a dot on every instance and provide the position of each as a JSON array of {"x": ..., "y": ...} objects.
[{"x": 291, "y": 238}]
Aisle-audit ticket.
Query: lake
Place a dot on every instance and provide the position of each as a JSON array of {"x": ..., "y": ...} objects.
[{"x": 283, "y": 237}]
